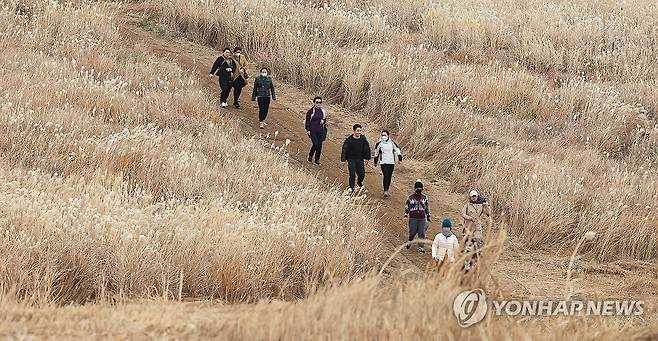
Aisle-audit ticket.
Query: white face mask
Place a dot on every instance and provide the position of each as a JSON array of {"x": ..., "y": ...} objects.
[
  {"x": 237, "y": 54},
  {"x": 384, "y": 138},
  {"x": 264, "y": 74}
]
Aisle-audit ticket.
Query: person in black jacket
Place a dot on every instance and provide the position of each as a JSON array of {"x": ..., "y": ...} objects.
[
  {"x": 316, "y": 129},
  {"x": 356, "y": 151},
  {"x": 263, "y": 91},
  {"x": 224, "y": 67}
]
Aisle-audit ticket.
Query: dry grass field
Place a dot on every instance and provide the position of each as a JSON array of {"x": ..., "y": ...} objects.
[
  {"x": 558, "y": 98},
  {"x": 132, "y": 207}
]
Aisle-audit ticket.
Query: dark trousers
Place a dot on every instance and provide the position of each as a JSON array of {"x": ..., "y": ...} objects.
[
  {"x": 316, "y": 148},
  {"x": 225, "y": 89},
  {"x": 263, "y": 108},
  {"x": 387, "y": 171},
  {"x": 356, "y": 168},
  {"x": 238, "y": 84},
  {"x": 417, "y": 227}
]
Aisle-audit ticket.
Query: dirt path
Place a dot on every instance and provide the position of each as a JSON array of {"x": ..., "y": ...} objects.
[
  {"x": 286, "y": 116},
  {"x": 519, "y": 272}
]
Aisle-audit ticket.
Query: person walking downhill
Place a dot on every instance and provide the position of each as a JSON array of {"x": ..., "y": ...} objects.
[
  {"x": 472, "y": 254},
  {"x": 386, "y": 151},
  {"x": 263, "y": 89},
  {"x": 445, "y": 244},
  {"x": 224, "y": 68},
  {"x": 316, "y": 129},
  {"x": 356, "y": 152},
  {"x": 241, "y": 76},
  {"x": 417, "y": 209},
  {"x": 472, "y": 212}
]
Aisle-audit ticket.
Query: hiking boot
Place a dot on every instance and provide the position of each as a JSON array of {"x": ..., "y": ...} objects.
[
  {"x": 261, "y": 125},
  {"x": 236, "y": 105},
  {"x": 421, "y": 249},
  {"x": 386, "y": 194},
  {"x": 317, "y": 162},
  {"x": 224, "y": 105},
  {"x": 310, "y": 159}
]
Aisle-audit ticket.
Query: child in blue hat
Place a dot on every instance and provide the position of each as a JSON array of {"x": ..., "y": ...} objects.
[{"x": 445, "y": 243}]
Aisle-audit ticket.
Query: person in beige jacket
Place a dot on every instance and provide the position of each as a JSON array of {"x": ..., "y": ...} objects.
[
  {"x": 472, "y": 213},
  {"x": 239, "y": 75},
  {"x": 445, "y": 244}
]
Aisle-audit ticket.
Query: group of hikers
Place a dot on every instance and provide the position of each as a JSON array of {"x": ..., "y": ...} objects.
[
  {"x": 445, "y": 246},
  {"x": 230, "y": 67}
]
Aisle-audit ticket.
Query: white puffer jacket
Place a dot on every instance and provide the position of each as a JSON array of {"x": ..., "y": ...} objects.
[
  {"x": 387, "y": 152},
  {"x": 442, "y": 246}
]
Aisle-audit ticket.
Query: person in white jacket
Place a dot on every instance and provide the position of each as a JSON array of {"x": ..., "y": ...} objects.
[
  {"x": 445, "y": 244},
  {"x": 386, "y": 153}
]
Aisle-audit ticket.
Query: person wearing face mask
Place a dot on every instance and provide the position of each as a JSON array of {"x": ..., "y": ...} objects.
[
  {"x": 316, "y": 129},
  {"x": 386, "y": 152},
  {"x": 445, "y": 244},
  {"x": 224, "y": 67},
  {"x": 263, "y": 91},
  {"x": 417, "y": 209},
  {"x": 241, "y": 76}
]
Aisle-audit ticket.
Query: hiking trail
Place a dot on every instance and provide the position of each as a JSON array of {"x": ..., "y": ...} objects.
[{"x": 519, "y": 272}]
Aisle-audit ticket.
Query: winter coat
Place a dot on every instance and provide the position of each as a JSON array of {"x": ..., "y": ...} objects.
[
  {"x": 442, "y": 246},
  {"x": 355, "y": 149},
  {"x": 309, "y": 118},
  {"x": 241, "y": 63},
  {"x": 387, "y": 152},
  {"x": 472, "y": 213},
  {"x": 417, "y": 206},
  {"x": 263, "y": 87},
  {"x": 220, "y": 68}
]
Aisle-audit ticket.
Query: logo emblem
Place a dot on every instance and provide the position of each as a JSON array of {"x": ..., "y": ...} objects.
[{"x": 470, "y": 307}]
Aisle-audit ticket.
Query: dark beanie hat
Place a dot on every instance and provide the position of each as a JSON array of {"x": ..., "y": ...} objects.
[
  {"x": 418, "y": 184},
  {"x": 446, "y": 223}
]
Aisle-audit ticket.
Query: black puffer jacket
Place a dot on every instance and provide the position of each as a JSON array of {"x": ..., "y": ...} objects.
[
  {"x": 220, "y": 68},
  {"x": 355, "y": 149}
]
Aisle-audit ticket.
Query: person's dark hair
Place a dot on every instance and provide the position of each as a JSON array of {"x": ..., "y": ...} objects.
[
  {"x": 226, "y": 49},
  {"x": 356, "y": 126},
  {"x": 317, "y": 98},
  {"x": 237, "y": 49},
  {"x": 386, "y": 131}
]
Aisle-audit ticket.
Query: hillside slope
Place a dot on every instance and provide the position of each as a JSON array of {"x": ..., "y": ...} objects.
[{"x": 519, "y": 272}]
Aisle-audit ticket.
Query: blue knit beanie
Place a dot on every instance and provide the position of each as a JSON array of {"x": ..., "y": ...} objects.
[{"x": 446, "y": 223}]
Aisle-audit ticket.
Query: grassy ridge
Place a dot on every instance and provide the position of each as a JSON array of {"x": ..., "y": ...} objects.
[
  {"x": 561, "y": 147},
  {"x": 119, "y": 182}
]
